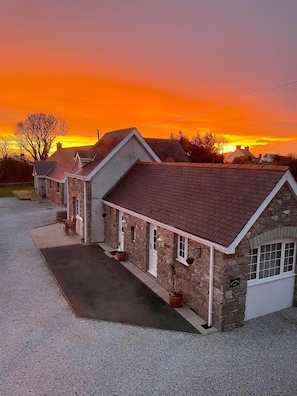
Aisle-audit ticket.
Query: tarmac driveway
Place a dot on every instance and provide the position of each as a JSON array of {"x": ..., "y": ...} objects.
[{"x": 99, "y": 287}]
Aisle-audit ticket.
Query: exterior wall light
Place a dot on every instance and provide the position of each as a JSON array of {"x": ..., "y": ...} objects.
[{"x": 160, "y": 242}]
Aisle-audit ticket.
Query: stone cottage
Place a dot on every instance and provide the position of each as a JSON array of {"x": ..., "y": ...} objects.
[
  {"x": 50, "y": 176},
  {"x": 96, "y": 170},
  {"x": 231, "y": 230}
]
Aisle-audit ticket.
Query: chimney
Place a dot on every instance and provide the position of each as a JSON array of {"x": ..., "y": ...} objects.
[
  {"x": 59, "y": 146},
  {"x": 238, "y": 147},
  {"x": 98, "y": 134},
  {"x": 247, "y": 148}
]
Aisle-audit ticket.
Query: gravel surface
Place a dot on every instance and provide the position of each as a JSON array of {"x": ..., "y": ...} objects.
[{"x": 46, "y": 350}]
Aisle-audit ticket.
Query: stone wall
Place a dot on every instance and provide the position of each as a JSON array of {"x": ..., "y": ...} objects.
[
  {"x": 111, "y": 221},
  {"x": 281, "y": 212},
  {"x": 76, "y": 191},
  {"x": 136, "y": 249},
  {"x": 55, "y": 192}
]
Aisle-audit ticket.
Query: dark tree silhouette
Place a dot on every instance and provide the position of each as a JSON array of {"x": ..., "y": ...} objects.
[
  {"x": 15, "y": 170},
  {"x": 201, "y": 148},
  {"x": 37, "y": 133}
]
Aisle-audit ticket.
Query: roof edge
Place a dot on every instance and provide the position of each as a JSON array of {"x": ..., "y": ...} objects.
[
  {"x": 286, "y": 178},
  {"x": 205, "y": 242}
]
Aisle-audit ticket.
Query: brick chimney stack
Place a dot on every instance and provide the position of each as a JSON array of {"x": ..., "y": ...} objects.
[
  {"x": 247, "y": 148},
  {"x": 238, "y": 147},
  {"x": 59, "y": 146}
]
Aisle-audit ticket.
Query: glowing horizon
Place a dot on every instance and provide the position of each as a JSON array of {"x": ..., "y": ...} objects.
[{"x": 118, "y": 70}]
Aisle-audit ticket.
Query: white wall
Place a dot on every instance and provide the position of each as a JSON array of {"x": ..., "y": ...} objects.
[
  {"x": 269, "y": 296},
  {"x": 106, "y": 178}
]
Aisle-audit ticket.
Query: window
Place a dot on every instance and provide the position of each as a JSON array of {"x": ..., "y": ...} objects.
[
  {"x": 78, "y": 208},
  {"x": 182, "y": 248},
  {"x": 155, "y": 239},
  {"x": 133, "y": 234},
  {"x": 275, "y": 259}
]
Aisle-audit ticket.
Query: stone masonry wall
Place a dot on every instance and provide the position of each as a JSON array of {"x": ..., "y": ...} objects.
[
  {"x": 55, "y": 192},
  {"x": 281, "y": 212},
  {"x": 76, "y": 191},
  {"x": 111, "y": 221},
  {"x": 137, "y": 250}
]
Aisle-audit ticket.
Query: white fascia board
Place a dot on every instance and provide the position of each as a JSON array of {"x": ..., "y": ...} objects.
[
  {"x": 287, "y": 177},
  {"x": 133, "y": 133},
  {"x": 74, "y": 176},
  {"x": 59, "y": 181},
  {"x": 206, "y": 242},
  {"x": 147, "y": 146}
]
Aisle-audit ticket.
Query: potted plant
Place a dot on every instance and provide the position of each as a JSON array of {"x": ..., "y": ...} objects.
[
  {"x": 175, "y": 295},
  {"x": 121, "y": 254}
]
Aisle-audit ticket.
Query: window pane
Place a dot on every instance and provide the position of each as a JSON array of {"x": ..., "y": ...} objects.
[
  {"x": 182, "y": 246},
  {"x": 289, "y": 256},
  {"x": 270, "y": 261},
  {"x": 155, "y": 240}
]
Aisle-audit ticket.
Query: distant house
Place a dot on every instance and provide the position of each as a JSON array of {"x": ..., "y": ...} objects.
[
  {"x": 238, "y": 224},
  {"x": 50, "y": 176},
  {"x": 240, "y": 152},
  {"x": 268, "y": 157},
  {"x": 40, "y": 171}
]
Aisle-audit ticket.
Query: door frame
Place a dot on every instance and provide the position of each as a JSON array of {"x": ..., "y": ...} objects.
[{"x": 153, "y": 252}]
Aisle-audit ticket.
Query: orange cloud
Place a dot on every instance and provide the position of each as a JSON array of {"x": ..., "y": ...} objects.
[{"x": 88, "y": 103}]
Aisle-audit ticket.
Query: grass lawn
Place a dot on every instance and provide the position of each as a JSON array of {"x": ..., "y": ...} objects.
[{"x": 7, "y": 191}]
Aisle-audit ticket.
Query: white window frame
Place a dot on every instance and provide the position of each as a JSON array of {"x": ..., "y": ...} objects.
[
  {"x": 182, "y": 254},
  {"x": 282, "y": 273},
  {"x": 78, "y": 208}
]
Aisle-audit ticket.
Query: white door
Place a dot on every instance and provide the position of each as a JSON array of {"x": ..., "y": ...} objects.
[
  {"x": 153, "y": 250},
  {"x": 79, "y": 220},
  {"x": 121, "y": 231}
]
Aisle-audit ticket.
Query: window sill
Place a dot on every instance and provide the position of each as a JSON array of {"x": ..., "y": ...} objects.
[
  {"x": 182, "y": 261},
  {"x": 254, "y": 282}
]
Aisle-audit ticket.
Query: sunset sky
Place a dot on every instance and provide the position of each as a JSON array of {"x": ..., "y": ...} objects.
[{"x": 114, "y": 64}]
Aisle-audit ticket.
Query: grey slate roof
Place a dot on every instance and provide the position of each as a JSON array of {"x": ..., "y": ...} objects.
[
  {"x": 168, "y": 150},
  {"x": 210, "y": 201},
  {"x": 42, "y": 168}
]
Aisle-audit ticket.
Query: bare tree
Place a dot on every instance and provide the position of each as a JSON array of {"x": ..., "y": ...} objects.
[
  {"x": 37, "y": 133},
  {"x": 6, "y": 146}
]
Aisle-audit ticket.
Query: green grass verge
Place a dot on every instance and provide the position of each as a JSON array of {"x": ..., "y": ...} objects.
[{"x": 6, "y": 192}]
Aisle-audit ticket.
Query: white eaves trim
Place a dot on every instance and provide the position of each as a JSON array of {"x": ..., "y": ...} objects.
[
  {"x": 287, "y": 177},
  {"x": 56, "y": 180},
  {"x": 218, "y": 247},
  {"x": 133, "y": 133}
]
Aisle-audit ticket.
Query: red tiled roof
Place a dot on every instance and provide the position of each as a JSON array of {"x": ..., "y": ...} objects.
[
  {"x": 210, "y": 201},
  {"x": 103, "y": 147},
  {"x": 168, "y": 150},
  {"x": 64, "y": 158}
]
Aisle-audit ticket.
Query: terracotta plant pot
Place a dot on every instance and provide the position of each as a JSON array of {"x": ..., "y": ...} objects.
[
  {"x": 174, "y": 301},
  {"x": 121, "y": 256}
]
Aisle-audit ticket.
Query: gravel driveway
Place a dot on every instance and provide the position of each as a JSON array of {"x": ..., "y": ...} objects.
[{"x": 46, "y": 350}]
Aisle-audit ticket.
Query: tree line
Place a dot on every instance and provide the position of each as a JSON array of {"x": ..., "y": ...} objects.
[{"x": 36, "y": 133}]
